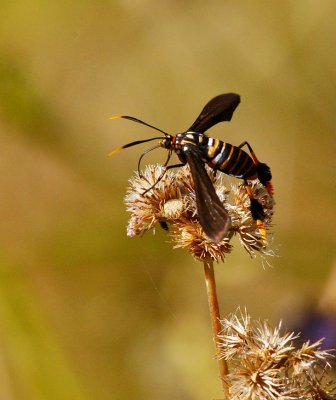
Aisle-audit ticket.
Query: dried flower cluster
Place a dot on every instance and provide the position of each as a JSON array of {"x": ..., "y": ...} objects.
[
  {"x": 266, "y": 365},
  {"x": 172, "y": 202}
]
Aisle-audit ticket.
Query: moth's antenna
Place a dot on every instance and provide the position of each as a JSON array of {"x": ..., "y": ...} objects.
[
  {"x": 113, "y": 152},
  {"x": 139, "y": 122}
]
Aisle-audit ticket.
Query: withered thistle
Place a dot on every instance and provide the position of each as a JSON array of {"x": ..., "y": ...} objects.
[
  {"x": 172, "y": 201},
  {"x": 266, "y": 363}
]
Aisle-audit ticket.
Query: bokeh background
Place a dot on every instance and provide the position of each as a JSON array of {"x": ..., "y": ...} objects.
[{"x": 87, "y": 313}]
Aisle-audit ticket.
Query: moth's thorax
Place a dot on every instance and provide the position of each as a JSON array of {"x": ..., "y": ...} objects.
[{"x": 189, "y": 138}]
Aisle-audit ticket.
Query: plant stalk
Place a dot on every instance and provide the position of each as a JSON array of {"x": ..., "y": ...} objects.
[{"x": 215, "y": 319}]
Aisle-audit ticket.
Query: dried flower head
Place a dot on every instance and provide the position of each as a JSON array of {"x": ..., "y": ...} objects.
[
  {"x": 189, "y": 234},
  {"x": 266, "y": 364},
  {"x": 308, "y": 355},
  {"x": 173, "y": 201},
  {"x": 256, "y": 381}
]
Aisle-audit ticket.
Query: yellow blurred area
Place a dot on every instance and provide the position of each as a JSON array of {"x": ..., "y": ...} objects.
[{"x": 86, "y": 312}]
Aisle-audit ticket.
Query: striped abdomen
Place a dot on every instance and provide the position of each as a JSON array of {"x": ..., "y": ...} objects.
[{"x": 229, "y": 159}]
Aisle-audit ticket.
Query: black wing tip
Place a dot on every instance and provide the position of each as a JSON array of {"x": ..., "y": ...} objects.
[
  {"x": 218, "y": 235},
  {"x": 234, "y": 96},
  {"x": 231, "y": 97},
  {"x": 233, "y": 100},
  {"x": 218, "y": 109}
]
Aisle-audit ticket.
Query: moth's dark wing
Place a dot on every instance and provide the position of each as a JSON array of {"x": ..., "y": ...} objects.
[
  {"x": 219, "y": 109},
  {"x": 213, "y": 217}
]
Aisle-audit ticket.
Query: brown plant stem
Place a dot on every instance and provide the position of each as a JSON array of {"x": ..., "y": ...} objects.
[{"x": 215, "y": 318}]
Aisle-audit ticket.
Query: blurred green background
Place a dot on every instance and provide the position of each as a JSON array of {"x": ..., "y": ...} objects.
[{"x": 87, "y": 313}]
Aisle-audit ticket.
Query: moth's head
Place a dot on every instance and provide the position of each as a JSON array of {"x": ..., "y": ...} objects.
[{"x": 168, "y": 142}]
